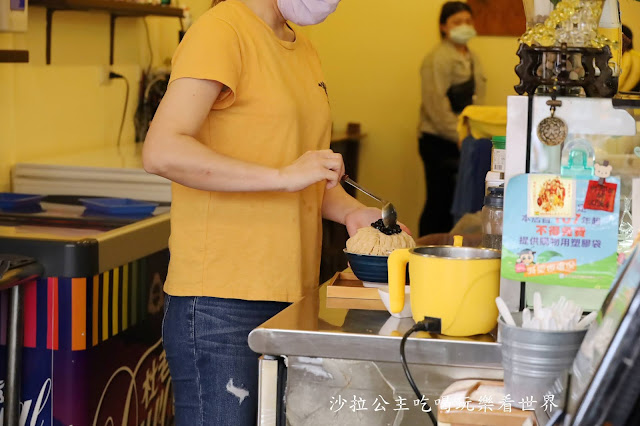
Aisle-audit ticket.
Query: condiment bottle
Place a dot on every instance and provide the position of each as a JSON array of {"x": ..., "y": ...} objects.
[{"x": 492, "y": 218}]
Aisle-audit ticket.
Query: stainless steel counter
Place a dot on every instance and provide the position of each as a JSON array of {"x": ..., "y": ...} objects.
[
  {"x": 317, "y": 354},
  {"x": 310, "y": 328}
]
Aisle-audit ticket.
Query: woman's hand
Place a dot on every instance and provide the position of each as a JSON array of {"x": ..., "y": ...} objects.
[
  {"x": 363, "y": 217},
  {"x": 312, "y": 167}
]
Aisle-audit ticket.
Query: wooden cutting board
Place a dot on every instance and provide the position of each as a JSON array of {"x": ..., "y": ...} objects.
[{"x": 345, "y": 285}]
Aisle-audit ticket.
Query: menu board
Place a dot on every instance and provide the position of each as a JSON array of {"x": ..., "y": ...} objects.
[
  {"x": 561, "y": 231},
  {"x": 498, "y": 18},
  {"x": 635, "y": 208},
  {"x": 609, "y": 342}
]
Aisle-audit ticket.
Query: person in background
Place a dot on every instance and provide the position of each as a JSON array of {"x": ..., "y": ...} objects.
[
  {"x": 452, "y": 79},
  {"x": 243, "y": 132},
  {"x": 630, "y": 75}
]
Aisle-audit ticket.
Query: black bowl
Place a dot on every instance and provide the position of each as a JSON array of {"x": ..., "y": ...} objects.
[{"x": 370, "y": 268}]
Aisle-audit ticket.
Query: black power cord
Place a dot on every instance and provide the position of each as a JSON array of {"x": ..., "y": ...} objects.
[
  {"x": 146, "y": 29},
  {"x": 428, "y": 324},
  {"x": 113, "y": 75}
]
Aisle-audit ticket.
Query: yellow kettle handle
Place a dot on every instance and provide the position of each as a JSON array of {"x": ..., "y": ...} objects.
[
  {"x": 457, "y": 240},
  {"x": 397, "y": 265}
]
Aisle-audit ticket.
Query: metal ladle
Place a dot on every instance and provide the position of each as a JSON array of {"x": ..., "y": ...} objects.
[{"x": 389, "y": 214}]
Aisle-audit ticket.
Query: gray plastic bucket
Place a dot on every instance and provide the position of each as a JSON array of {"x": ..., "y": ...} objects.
[{"x": 533, "y": 359}]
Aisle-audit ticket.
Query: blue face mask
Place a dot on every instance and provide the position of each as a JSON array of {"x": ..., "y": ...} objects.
[{"x": 462, "y": 34}]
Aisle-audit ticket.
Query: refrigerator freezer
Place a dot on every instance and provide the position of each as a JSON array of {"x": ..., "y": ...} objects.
[{"x": 106, "y": 172}]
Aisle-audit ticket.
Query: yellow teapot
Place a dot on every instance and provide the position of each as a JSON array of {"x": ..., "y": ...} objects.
[{"x": 456, "y": 284}]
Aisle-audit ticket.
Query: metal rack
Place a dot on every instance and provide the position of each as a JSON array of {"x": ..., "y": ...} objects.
[
  {"x": 115, "y": 9},
  {"x": 14, "y": 56}
]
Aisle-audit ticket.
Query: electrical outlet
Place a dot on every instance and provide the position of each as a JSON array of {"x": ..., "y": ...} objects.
[{"x": 103, "y": 75}]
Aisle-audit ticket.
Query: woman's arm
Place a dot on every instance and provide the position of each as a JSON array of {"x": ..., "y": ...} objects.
[
  {"x": 171, "y": 149},
  {"x": 337, "y": 204}
]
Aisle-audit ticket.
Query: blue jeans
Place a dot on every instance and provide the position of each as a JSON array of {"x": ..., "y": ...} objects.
[{"x": 213, "y": 371}]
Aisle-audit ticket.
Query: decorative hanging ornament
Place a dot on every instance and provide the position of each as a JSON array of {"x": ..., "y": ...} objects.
[{"x": 552, "y": 130}]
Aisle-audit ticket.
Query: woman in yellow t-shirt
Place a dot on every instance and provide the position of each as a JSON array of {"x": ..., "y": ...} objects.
[{"x": 243, "y": 132}]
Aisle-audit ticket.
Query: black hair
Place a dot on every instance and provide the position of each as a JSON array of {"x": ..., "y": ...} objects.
[
  {"x": 627, "y": 31},
  {"x": 449, "y": 9}
]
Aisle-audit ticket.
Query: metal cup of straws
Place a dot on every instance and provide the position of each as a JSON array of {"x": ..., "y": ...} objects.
[{"x": 533, "y": 359}]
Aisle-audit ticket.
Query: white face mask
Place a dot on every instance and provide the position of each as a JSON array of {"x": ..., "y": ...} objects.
[
  {"x": 307, "y": 12},
  {"x": 462, "y": 34}
]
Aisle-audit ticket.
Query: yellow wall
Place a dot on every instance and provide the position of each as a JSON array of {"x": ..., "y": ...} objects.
[
  {"x": 59, "y": 108},
  {"x": 371, "y": 52},
  {"x": 630, "y": 14}
]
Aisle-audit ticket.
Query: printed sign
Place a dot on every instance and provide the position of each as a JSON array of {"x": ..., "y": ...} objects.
[
  {"x": 600, "y": 336},
  {"x": 551, "y": 196},
  {"x": 92, "y": 351},
  {"x": 601, "y": 196},
  {"x": 541, "y": 244},
  {"x": 635, "y": 206}
]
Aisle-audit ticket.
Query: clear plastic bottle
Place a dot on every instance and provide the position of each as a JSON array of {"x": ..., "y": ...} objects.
[
  {"x": 611, "y": 28},
  {"x": 625, "y": 230},
  {"x": 492, "y": 214}
]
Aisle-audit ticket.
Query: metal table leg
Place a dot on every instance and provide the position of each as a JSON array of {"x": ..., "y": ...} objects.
[
  {"x": 271, "y": 389},
  {"x": 281, "y": 420},
  {"x": 15, "y": 270},
  {"x": 15, "y": 337}
]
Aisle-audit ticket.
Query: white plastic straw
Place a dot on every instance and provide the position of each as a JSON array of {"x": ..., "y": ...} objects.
[
  {"x": 537, "y": 305},
  {"x": 526, "y": 318},
  {"x": 562, "y": 315},
  {"x": 584, "y": 322},
  {"x": 504, "y": 311}
]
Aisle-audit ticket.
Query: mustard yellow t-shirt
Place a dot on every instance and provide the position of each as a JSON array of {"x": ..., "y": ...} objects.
[{"x": 252, "y": 246}]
